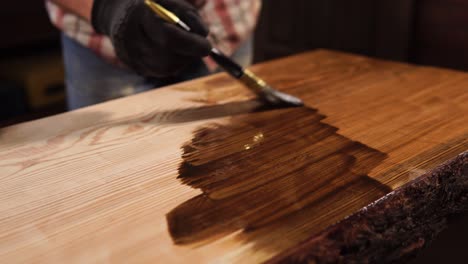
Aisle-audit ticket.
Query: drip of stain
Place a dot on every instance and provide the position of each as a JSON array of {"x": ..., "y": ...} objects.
[{"x": 264, "y": 168}]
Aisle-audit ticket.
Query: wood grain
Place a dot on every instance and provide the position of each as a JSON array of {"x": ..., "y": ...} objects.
[{"x": 103, "y": 183}]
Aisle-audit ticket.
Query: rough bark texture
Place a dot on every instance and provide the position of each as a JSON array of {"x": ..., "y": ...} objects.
[{"x": 395, "y": 227}]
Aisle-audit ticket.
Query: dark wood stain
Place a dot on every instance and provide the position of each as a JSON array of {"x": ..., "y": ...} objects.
[{"x": 268, "y": 169}]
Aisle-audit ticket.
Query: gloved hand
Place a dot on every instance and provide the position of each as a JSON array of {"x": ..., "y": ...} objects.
[{"x": 145, "y": 42}]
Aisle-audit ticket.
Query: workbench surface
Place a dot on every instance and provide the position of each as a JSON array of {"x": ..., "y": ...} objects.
[{"x": 201, "y": 172}]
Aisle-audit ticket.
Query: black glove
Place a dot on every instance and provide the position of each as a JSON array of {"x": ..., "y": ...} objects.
[{"x": 145, "y": 42}]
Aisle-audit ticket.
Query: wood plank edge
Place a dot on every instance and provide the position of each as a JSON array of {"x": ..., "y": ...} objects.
[{"x": 395, "y": 227}]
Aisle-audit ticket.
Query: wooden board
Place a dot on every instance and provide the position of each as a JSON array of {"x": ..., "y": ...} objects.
[{"x": 368, "y": 169}]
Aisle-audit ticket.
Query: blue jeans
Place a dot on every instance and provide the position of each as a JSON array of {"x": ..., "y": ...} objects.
[{"x": 90, "y": 80}]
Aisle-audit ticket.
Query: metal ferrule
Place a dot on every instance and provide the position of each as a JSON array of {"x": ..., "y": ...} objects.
[{"x": 255, "y": 83}]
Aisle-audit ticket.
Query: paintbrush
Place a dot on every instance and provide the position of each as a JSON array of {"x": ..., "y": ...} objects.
[{"x": 248, "y": 78}]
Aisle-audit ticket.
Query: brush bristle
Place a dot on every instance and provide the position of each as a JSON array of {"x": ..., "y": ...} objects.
[{"x": 288, "y": 99}]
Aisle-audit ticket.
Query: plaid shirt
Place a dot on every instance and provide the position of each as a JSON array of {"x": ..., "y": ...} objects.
[{"x": 230, "y": 22}]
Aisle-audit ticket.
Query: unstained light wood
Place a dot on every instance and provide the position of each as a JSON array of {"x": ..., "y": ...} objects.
[{"x": 95, "y": 185}]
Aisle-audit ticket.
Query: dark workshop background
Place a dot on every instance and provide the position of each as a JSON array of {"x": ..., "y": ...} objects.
[{"x": 429, "y": 32}]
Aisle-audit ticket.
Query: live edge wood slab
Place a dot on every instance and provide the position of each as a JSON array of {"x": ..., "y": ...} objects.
[{"x": 201, "y": 172}]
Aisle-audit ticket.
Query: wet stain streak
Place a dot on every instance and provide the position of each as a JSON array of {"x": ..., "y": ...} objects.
[{"x": 266, "y": 168}]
